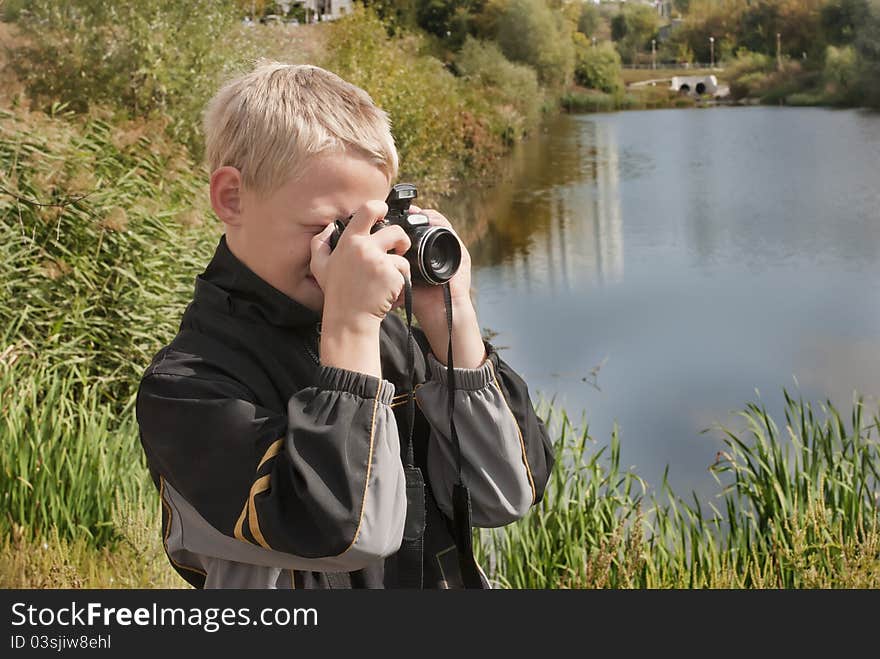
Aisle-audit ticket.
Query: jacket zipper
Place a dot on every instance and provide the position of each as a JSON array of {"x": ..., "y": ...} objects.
[{"x": 317, "y": 338}]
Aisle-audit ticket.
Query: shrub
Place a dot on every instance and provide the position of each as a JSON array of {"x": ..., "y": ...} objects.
[
  {"x": 145, "y": 58},
  {"x": 529, "y": 32},
  {"x": 868, "y": 49},
  {"x": 598, "y": 67},
  {"x": 575, "y": 100},
  {"x": 442, "y": 126},
  {"x": 514, "y": 86},
  {"x": 841, "y": 75},
  {"x": 633, "y": 29},
  {"x": 747, "y": 72}
]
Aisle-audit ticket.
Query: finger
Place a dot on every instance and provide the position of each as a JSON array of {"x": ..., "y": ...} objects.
[
  {"x": 414, "y": 209},
  {"x": 392, "y": 237},
  {"x": 400, "y": 301},
  {"x": 401, "y": 264},
  {"x": 366, "y": 216},
  {"x": 436, "y": 219},
  {"x": 320, "y": 247}
]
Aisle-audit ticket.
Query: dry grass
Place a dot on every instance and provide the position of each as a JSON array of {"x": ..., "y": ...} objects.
[
  {"x": 10, "y": 87},
  {"x": 137, "y": 560}
]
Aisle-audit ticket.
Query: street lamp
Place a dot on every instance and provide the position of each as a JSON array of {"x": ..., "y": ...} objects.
[
  {"x": 712, "y": 52},
  {"x": 653, "y": 53},
  {"x": 779, "y": 50}
]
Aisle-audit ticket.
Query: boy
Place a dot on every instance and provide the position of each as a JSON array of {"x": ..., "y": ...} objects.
[{"x": 270, "y": 423}]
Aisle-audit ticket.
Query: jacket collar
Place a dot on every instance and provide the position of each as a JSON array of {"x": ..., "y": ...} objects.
[{"x": 229, "y": 286}]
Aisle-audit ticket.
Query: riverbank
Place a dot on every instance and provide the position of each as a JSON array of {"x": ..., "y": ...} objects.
[
  {"x": 791, "y": 519},
  {"x": 103, "y": 224},
  {"x": 80, "y": 510}
]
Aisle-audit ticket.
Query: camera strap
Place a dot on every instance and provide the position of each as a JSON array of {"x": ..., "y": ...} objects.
[
  {"x": 412, "y": 547},
  {"x": 410, "y": 556},
  {"x": 461, "y": 496}
]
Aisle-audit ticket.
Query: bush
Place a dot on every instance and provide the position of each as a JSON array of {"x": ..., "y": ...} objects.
[
  {"x": 102, "y": 231},
  {"x": 513, "y": 86},
  {"x": 633, "y": 28},
  {"x": 530, "y": 33},
  {"x": 868, "y": 49},
  {"x": 841, "y": 75},
  {"x": 145, "y": 58},
  {"x": 584, "y": 100},
  {"x": 444, "y": 127},
  {"x": 747, "y": 73},
  {"x": 598, "y": 67}
]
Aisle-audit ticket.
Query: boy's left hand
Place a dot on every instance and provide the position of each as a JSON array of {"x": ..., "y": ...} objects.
[
  {"x": 428, "y": 300},
  {"x": 429, "y": 308}
]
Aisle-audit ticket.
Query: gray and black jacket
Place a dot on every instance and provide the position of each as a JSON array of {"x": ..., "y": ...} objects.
[{"x": 277, "y": 472}]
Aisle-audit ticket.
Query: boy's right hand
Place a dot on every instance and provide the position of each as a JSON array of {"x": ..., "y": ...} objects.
[{"x": 361, "y": 282}]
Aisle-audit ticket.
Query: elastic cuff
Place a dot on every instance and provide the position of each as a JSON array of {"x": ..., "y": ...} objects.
[
  {"x": 332, "y": 378},
  {"x": 470, "y": 379}
]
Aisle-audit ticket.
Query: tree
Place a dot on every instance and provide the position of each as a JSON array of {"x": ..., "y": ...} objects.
[
  {"x": 529, "y": 32},
  {"x": 633, "y": 28},
  {"x": 589, "y": 19},
  {"x": 598, "y": 67},
  {"x": 841, "y": 20},
  {"x": 868, "y": 49}
]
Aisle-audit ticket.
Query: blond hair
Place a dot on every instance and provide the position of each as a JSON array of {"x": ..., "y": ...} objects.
[{"x": 269, "y": 122}]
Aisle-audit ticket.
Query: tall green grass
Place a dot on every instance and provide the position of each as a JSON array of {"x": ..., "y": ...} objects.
[
  {"x": 103, "y": 229},
  {"x": 797, "y": 507},
  {"x": 102, "y": 233},
  {"x": 68, "y": 459}
]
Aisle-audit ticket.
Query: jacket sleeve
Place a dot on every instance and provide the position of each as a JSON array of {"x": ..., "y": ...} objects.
[
  {"x": 318, "y": 488},
  {"x": 506, "y": 452}
]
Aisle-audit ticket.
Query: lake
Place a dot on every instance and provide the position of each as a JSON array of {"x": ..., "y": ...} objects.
[{"x": 661, "y": 269}]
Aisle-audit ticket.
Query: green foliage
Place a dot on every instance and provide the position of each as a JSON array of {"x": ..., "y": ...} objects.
[
  {"x": 589, "y": 19},
  {"x": 798, "y": 509},
  {"x": 101, "y": 235},
  {"x": 66, "y": 459},
  {"x": 10, "y": 9},
  {"x": 145, "y": 58},
  {"x": 841, "y": 75},
  {"x": 747, "y": 73},
  {"x": 868, "y": 49},
  {"x": 633, "y": 28},
  {"x": 514, "y": 87},
  {"x": 445, "y": 19},
  {"x": 598, "y": 67},
  {"x": 398, "y": 15},
  {"x": 530, "y": 33},
  {"x": 841, "y": 20},
  {"x": 444, "y": 127}
]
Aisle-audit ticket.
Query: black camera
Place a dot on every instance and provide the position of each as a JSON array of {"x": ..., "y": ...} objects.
[{"x": 435, "y": 253}]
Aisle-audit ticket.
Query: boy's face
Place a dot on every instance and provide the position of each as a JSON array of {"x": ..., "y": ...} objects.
[{"x": 273, "y": 236}]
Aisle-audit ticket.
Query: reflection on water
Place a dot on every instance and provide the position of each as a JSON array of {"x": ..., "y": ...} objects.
[
  {"x": 565, "y": 225},
  {"x": 697, "y": 255}
]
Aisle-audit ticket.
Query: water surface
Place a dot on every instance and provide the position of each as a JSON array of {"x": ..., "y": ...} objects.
[{"x": 656, "y": 268}]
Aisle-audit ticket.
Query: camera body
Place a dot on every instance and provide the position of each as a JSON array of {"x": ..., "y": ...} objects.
[{"x": 435, "y": 253}]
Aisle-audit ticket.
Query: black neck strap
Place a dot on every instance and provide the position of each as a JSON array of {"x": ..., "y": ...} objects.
[{"x": 461, "y": 500}]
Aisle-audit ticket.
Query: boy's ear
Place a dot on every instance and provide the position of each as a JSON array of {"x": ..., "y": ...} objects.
[{"x": 226, "y": 195}]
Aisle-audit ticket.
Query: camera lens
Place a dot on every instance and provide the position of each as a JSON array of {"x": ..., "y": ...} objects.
[{"x": 439, "y": 255}]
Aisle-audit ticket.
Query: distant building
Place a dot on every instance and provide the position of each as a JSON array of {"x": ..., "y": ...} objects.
[{"x": 325, "y": 10}]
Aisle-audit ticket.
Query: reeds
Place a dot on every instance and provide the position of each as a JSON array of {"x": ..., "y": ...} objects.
[
  {"x": 796, "y": 508},
  {"x": 96, "y": 260},
  {"x": 67, "y": 458}
]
